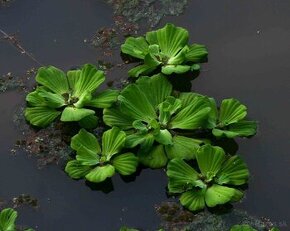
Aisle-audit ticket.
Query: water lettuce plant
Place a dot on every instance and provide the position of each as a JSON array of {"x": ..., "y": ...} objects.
[
  {"x": 246, "y": 227},
  {"x": 70, "y": 95},
  {"x": 229, "y": 121},
  {"x": 166, "y": 48},
  {"x": 150, "y": 114},
  {"x": 215, "y": 182},
  {"x": 8, "y": 218},
  {"x": 96, "y": 163}
]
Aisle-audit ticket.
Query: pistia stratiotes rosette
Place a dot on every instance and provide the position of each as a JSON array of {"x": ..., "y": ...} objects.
[
  {"x": 97, "y": 163},
  {"x": 70, "y": 95},
  {"x": 167, "y": 48},
  {"x": 215, "y": 182},
  {"x": 246, "y": 227},
  {"x": 152, "y": 116}
]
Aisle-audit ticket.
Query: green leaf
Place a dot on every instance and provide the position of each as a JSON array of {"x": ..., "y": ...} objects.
[
  {"x": 154, "y": 158},
  {"x": 155, "y": 88},
  {"x": 85, "y": 139},
  {"x": 193, "y": 199},
  {"x": 75, "y": 114},
  {"x": 114, "y": 117},
  {"x": 52, "y": 100},
  {"x": 41, "y": 116},
  {"x": 87, "y": 157},
  {"x": 76, "y": 170},
  {"x": 88, "y": 80},
  {"x": 89, "y": 122},
  {"x": 171, "y": 39},
  {"x": 35, "y": 100},
  {"x": 181, "y": 176},
  {"x": 100, "y": 173},
  {"x": 144, "y": 69},
  {"x": 218, "y": 195},
  {"x": 193, "y": 116},
  {"x": 182, "y": 147},
  {"x": 242, "y": 228},
  {"x": 134, "y": 103},
  {"x": 210, "y": 159},
  {"x": 124, "y": 228},
  {"x": 104, "y": 99},
  {"x": 196, "y": 53},
  {"x": 113, "y": 141},
  {"x": 163, "y": 137},
  {"x": 167, "y": 109},
  {"x": 7, "y": 219},
  {"x": 231, "y": 111},
  {"x": 187, "y": 98},
  {"x": 53, "y": 78},
  {"x": 125, "y": 164},
  {"x": 234, "y": 171},
  {"x": 135, "y": 47},
  {"x": 178, "y": 69}
]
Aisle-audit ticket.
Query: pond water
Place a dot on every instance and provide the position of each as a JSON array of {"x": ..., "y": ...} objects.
[{"x": 249, "y": 53}]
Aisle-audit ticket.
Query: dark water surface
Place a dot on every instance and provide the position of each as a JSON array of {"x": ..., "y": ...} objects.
[{"x": 249, "y": 47}]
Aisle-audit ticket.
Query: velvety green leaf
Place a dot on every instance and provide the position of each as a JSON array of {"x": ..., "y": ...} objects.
[
  {"x": 41, "y": 116},
  {"x": 177, "y": 69},
  {"x": 151, "y": 61},
  {"x": 143, "y": 69},
  {"x": 52, "y": 100},
  {"x": 88, "y": 80},
  {"x": 114, "y": 117},
  {"x": 171, "y": 39},
  {"x": 154, "y": 158},
  {"x": 168, "y": 108},
  {"x": 242, "y": 228},
  {"x": 76, "y": 170},
  {"x": 100, "y": 173},
  {"x": 75, "y": 114},
  {"x": 135, "y": 139},
  {"x": 187, "y": 98},
  {"x": 72, "y": 77},
  {"x": 181, "y": 176},
  {"x": 113, "y": 141},
  {"x": 125, "y": 164},
  {"x": 89, "y": 122},
  {"x": 193, "y": 116},
  {"x": 35, "y": 100},
  {"x": 156, "y": 88},
  {"x": 182, "y": 147},
  {"x": 231, "y": 111},
  {"x": 87, "y": 156},
  {"x": 179, "y": 58},
  {"x": 124, "y": 228},
  {"x": 83, "y": 99},
  {"x": 85, "y": 139},
  {"x": 140, "y": 126},
  {"x": 234, "y": 171},
  {"x": 135, "y": 47},
  {"x": 163, "y": 137},
  {"x": 193, "y": 199},
  {"x": 218, "y": 195},
  {"x": 134, "y": 103},
  {"x": 104, "y": 99},
  {"x": 53, "y": 78},
  {"x": 210, "y": 159},
  {"x": 7, "y": 219},
  {"x": 196, "y": 53}
]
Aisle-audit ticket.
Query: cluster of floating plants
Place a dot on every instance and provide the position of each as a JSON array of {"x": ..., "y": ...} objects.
[{"x": 148, "y": 122}]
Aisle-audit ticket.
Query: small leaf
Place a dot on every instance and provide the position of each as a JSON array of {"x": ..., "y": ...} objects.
[
  {"x": 154, "y": 158},
  {"x": 115, "y": 118},
  {"x": 181, "y": 176},
  {"x": 113, "y": 141},
  {"x": 143, "y": 69},
  {"x": 177, "y": 69},
  {"x": 85, "y": 139},
  {"x": 76, "y": 170},
  {"x": 52, "y": 100},
  {"x": 210, "y": 159},
  {"x": 53, "y": 78},
  {"x": 89, "y": 122},
  {"x": 70, "y": 114},
  {"x": 125, "y": 164},
  {"x": 182, "y": 147},
  {"x": 135, "y": 47},
  {"x": 163, "y": 137},
  {"x": 218, "y": 195},
  {"x": 231, "y": 111},
  {"x": 196, "y": 53},
  {"x": 100, "y": 173},
  {"x": 7, "y": 219},
  {"x": 193, "y": 199},
  {"x": 41, "y": 116},
  {"x": 104, "y": 99},
  {"x": 242, "y": 228},
  {"x": 87, "y": 157},
  {"x": 35, "y": 100}
]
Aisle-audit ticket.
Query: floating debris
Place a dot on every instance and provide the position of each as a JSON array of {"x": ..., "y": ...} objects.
[{"x": 25, "y": 199}]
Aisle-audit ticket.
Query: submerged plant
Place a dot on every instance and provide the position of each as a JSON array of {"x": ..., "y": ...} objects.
[
  {"x": 97, "y": 163},
  {"x": 7, "y": 220},
  {"x": 149, "y": 114},
  {"x": 214, "y": 184},
  {"x": 167, "y": 48},
  {"x": 70, "y": 95}
]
